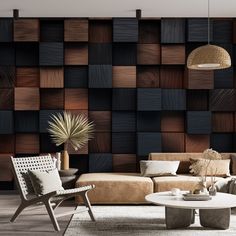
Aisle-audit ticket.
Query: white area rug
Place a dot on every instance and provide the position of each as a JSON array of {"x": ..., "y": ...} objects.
[{"x": 136, "y": 221}]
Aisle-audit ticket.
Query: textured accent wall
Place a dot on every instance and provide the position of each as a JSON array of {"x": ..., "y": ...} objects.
[{"x": 128, "y": 76}]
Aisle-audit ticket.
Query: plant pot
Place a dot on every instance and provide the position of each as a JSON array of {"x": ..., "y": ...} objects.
[{"x": 64, "y": 160}]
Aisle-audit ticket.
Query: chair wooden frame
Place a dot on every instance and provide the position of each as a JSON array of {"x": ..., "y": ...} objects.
[{"x": 51, "y": 200}]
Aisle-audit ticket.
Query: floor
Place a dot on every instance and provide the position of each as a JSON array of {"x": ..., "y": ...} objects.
[{"x": 33, "y": 221}]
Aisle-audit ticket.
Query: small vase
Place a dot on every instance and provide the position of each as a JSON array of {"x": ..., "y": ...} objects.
[
  {"x": 65, "y": 160},
  {"x": 212, "y": 190}
]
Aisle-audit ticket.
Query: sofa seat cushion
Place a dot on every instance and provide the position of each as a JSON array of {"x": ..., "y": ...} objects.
[
  {"x": 116, "y": 188},
  {"x": 183, "y": 182}
]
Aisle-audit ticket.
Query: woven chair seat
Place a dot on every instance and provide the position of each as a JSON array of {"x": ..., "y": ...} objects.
[{"x": 74, "y": 190}]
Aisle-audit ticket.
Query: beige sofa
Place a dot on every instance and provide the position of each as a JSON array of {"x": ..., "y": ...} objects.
[{"x": 131, "y": 188}]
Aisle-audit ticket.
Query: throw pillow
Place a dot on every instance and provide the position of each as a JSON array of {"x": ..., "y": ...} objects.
[
  {"x": 208, "y": 167},
  {"x": 158, "y": 168},
  {"x": 45, "y": 181}
]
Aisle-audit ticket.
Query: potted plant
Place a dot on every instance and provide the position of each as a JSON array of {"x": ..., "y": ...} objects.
[{"x": 68, "y": 129}]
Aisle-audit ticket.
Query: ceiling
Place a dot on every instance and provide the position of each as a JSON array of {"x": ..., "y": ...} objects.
[{"x": 118, "y": 8}]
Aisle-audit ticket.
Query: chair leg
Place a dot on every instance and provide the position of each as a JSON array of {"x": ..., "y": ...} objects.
[
  {"x": 52, "y": 215},
  {"x": 57, "y": 204},
  {"x": 87, "y": 204},
  {"x": 18, "y": 211}
]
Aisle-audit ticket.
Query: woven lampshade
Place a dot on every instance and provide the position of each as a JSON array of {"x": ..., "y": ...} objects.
[{"x": 208, "y": 57}]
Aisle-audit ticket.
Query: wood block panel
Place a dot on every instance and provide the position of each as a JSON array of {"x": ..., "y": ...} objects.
[
  {"x": 123, "y": 143},
  {"x": 222, "y": 100},
  {"x": 234, "y": 31},
  {"x": 224, "y": 78},
  {"x": 7, "y": 54},
  {"x": 51, "y": 30},
  {"x": 51, "y": 54},
  {"x": 197, "y": 100},
  {"x": 27, "y": 143},
  {"x": 27, "y": 54},
  {"x": 125, "y": 30},
  {"x": 7, "y": 76},
  {"x": 173, "y": 99},
  {"x": 6, "y": 122},
  {"x": 100, "y": 162},
  {"x": 148, "y": 142},
  {"x": 83, "y": 150},
  {"x": 149, "y": 31},
  {"x": 149, "y": 99},
  {"x": 27, "y": 99},
  {"x": 173, "y": 54},
  {"x": 100, "y": 76},
  {"x": 76, "y": 30},
  {"x": 148, "y": 54},
  {"x": 171, "y": 77},
  {"x": 124, "y": 54},
  {"x": 27, "y": 77},
  {"x": 100, "y": 31},
  {"x": 199, "y": 79},
  {"x": 124, "y": 99},
  {"x": 124, "y": 76},
  {"x": 148, "y": 77},
  {"x": 100, "y": 99},
  {"x": 222, "y": 142},
  {"x": 101, "y": 143},
  {"x": 6, "y": 29},
  {"x": 173, "y": 30},
  {"x": 76, "y": 77},
  {"x": 172, "y": 121},
  {"x": 51, "y": 99},
  {"x": 101, "y": 119},
  {"x": 100, "y": 53},
  {"x": 81, "y": 161},
  {"x": 76, "y": 54},
  {"x": 222, "y": 30},
  {"x": 148, "y": 121},
  {"x": 196, "y": 142},
  {"x": 51, "y": 77},
  {"x": 26, "y": 30},
  {"x": 46, "y": 145},
  {"x": 124, "y": 163},
  {"x": 7, "y": 143},
  {"x": 123, "y": 121},
  {"x": 7, "y": 99},
  {"x": 199, "y": 122},
  {"x": 172, "y": 142},
  {"x": 26, "y": 121},
  {"x": 222, "y": 122},
  {"x": 6, "y": 167},
  {"x": 76, "y": 99}
]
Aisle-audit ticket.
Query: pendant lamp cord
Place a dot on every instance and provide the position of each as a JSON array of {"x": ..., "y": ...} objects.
[{"x": 208, "y": 12}]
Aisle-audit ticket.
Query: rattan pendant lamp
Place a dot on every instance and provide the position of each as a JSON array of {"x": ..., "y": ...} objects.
[{"x": 208, "y": 57}]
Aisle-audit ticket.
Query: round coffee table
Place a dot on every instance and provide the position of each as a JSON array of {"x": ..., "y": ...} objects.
[{"x": 179, "y": 213}]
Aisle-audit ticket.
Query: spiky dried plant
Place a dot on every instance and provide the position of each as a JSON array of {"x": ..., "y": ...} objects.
[{"x": 74, "y": 130}]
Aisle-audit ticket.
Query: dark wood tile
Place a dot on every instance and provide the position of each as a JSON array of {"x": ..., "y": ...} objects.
[
  {"x": 100, "y": 162},
  {"x": 51, "y": 77},
  {"x": 124, "y": 76},
  {"x": 123, "y": 121},
  {"x": 6, "y": 168},
  {"x": 6, "y": 122},
  {"x": 196, "y": 142},
  {"x": 148, "y": 76},
  {"x": 222, "y": 122},
  {"x": 124, "y": 54},
  {"x": 173, "y": 54},
  {"x": 27, "y": 77},
  {"x": 222, "y": 30},
  {"x": 51, "y": 99},
  {"x": 6, "y": 29},
  {"x": 27, "y": 143},
  {"x": 6, "y": 99},
  {"x": 7, "y": 54},
  {"x": 148, "y": 121},
  {"x": 149, "y": 31},
  {"x": 101, "y": 143},
  {"x": 123, "y": 143},
  {"x": 100, "y": 54},
  {"x": 7, "y": 143},
  {"x": 82, "y": 151},
  {"x": 7, "y": 76},
  {"x": 172, "y": 142},
  {"x": 197, "y": 100},
  {"x": 101, "y": 119},
  {"x": 46, "y": 145},
  {"x": 81, "y": 161},
  {"x": 172, "y": 121},
  {"x": 148, "y": 54},
  {"x": 173, "y": 99},
  {"x": 124, "y": 163},
  {"x": 100, "y": 99},
  {"x": 222, "y": 142},
  {"x": 224, "y": 78}
]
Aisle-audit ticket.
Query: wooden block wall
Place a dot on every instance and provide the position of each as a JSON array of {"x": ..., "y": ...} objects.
[{"x": 129, "y": 76}]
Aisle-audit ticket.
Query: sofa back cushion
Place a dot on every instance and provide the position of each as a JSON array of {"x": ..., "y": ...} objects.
[{"x": 184, "y": 159}]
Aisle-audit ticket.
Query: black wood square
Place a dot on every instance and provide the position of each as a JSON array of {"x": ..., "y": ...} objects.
[
  {"x": 224, "y": 78},
  {"x": 6, "y": 29},
  {"x": 51, "y": 30},
  {"x": 100, "y": 99},
  {"x": 124, "y": 99},
  {"x": 173, "y": 30},
  {"x": 123, "y": 121},
  {"x": 100, "y": 162},
  {"x": 173, "y": 99},
  {"x": 44, "y": 117},
  {"x": 51, "y": 54},
  {"x": 197, "y": 100},
  {"x": 100, "y": 53},
  {"x": 148, "y": 121},
  {"x": 27, "y": 54},
  {"x": 149, "y": 99},
  {"x": 7, "y": 54},
  {"x": 222, "y": 142},
  {"x": 148, "y": 142},
  {"x": 198, "y": 122},
  {"x": 125, "y": 30},
  {"x": 228, "y": 47},
  {"x": 47, "y": 146},
  {"x": 6, "y": 122},
  {"x": 123, "y": 143},
  {"x": 76, "y": 77},
  {"x": 100, "y": 76},
  {"x": 80, "y": 160},
  {"x": 222, "y": 31},
  {"x": 26, "y": 121},
  {"x": 7, "y": 76},
  {"x": 124, "y": 54}
]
